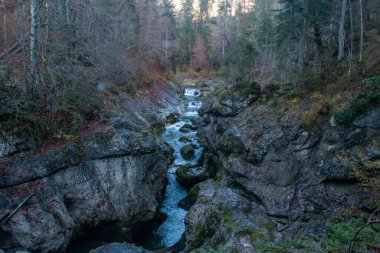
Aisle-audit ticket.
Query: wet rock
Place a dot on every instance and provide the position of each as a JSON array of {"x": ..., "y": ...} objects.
[
  {"x": 372, "y": 152},
  {"x": 191, "y": 175},
  {"x": 187, "y": 202},
  {"x": 119, "y": 248},
  {"x": 184, "y": 139},
  {"x": 172, "y": 118},
  {"x": 187, "y": 128},
  {"x": 370, "y": 120},
  {"x": 188, "y": 151}
]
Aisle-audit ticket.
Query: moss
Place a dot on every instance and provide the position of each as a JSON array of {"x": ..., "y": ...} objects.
[
  {"x": 270, "y": 227},
  {"x": 184, "y": 139},
  {"x": 144, "y": 133},
  {"x": 218, "y": 249},
  {"x": 158, "y": 128},
  {"x": 358, "y": 106},
  {"x": 246, "y": 88},
  {"x": 253, "y": 234},
  {"x": 188, "y": 151},
  {"x": 231, "y": 144},
  {"x": 172, "y": 118},
  {"x": 207, "y": 229}
]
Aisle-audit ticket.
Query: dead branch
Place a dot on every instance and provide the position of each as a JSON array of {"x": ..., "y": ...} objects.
[{"x": 369, "y": 223}]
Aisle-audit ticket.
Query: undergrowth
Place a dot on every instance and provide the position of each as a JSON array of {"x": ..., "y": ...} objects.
[
  {"x": 337, "y": 239},
  {"x": 37, "y": 117}
]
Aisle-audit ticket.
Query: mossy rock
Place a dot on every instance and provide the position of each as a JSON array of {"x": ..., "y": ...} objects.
[
  {"x": 206, "y": 229},
  {"x": 172, "y": 118},
  {"x": 188, "y": 151},
  {"x": 191, "y": 175},
  {"x": 230, "y": 144},
  {"x": 184, "y": 139},
  {"x": 187, "y": 128},
  {"x": 172, "y": 157},
  {"x": 158, "y": 128}
]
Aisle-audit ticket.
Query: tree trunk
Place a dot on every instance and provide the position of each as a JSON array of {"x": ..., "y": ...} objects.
[
  {"x": 351, "y": 51},
  {"x": 361, "y": 30},
  {"x": 341, "y": 29},
  {"x": 166, "y": 43},
  {"x": 33, "y": 42},
  {"x": 5, "y": 38}
]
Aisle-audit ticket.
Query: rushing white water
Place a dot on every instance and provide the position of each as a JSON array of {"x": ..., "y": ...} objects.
[
  {"x": 171, "y": 230},
  {"x": 192, "y": 92}
]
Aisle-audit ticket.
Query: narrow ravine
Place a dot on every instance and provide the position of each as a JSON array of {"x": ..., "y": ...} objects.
[{"x": 171, "y": 230}]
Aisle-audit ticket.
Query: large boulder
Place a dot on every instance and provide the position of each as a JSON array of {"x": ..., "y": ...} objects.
[
  {"x": 191, "y": 175},
  {"x": 187, "y": 128},
  {"x": 188, "y": 151}
]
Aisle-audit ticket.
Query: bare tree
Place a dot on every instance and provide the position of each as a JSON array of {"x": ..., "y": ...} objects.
[
  {"x": 5, "y": 38},
  {"x": 361, "y": 30},
  {"x": 33, "y": 41},
  {"x": 341, "y": 29}
]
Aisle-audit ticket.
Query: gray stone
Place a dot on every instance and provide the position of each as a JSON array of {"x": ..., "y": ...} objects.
[
  {"x": 191, "y": 175},
  {"x": 119, "y": 248}
]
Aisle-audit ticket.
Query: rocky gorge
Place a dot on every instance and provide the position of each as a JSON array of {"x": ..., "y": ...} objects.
[
  {"x": 267, "y": 177},
  {"x": 113, "y": 172}
]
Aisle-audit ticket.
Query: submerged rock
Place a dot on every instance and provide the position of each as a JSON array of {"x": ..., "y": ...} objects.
[
  {"x": 119, "y": 248},
  {"x": 184, "y": 139},
  {"x": 187, "y": 128}
]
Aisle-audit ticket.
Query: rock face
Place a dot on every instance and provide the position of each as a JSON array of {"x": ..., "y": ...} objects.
[
  {"x": 275, "y": 177},
  {"x": 114, "y": 174}
]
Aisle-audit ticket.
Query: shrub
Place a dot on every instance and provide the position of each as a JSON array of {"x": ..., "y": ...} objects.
[
  {"x": 337, "y": 239},
  {"x": 360, "y": 105},
  {"x": 357, "y": 107},
  {"x": 32, "y": 116},
  {"x": 246, "y": 88}
]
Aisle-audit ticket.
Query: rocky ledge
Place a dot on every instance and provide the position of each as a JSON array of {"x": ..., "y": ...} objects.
[
  {"x": 275, "y": 178},
  {"x": 109, "y": 175}
]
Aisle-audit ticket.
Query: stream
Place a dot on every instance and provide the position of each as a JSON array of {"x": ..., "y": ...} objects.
[{"x": 170, "y": 231}]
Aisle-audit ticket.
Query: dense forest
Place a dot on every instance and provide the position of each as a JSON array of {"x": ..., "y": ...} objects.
[
  {"x": 54, "y": 52},
  {"x": 260, "y": 118}
]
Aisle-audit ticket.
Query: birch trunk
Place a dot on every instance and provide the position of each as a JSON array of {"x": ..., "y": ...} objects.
[
  {"x": 361, "y": 30},
  {"x": 5, "y": 38},
  {"x": 341, "y": 29},
  {"x": 33, "y": 42}
]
